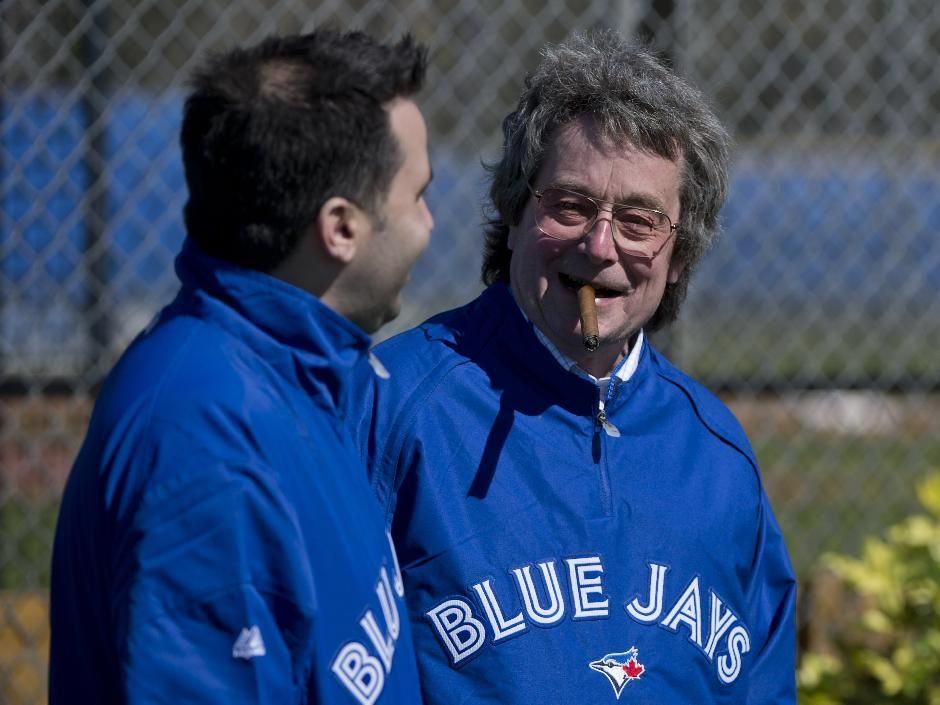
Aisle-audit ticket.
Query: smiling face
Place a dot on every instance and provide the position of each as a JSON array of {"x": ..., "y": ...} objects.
[
  {"x": 545, "y": 273},
  {"x": 404, "y": 224}
]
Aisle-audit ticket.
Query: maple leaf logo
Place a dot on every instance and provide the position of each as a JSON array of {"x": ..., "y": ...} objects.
[
  {"x": 620, "y": 668},
  {"x": 633, "y": 669}
]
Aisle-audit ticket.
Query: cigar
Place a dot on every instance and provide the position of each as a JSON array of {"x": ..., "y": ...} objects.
[{"x": 589, "y": 330}]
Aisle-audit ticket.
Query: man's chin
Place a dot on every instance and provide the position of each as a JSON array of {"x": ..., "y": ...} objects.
[
  {"x": 392, "y": 311},
  {"x": 566, "y": 337}
]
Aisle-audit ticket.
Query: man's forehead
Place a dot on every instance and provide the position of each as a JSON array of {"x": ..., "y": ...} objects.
[
  {"x": 583, "y": 159},
  {"x": 581, "y": 131},
  {"x": 586, "y": 132},
  {"x": 410, "y": 129}
]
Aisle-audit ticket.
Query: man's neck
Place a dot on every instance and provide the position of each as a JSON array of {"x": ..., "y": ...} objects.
[
  {"x": 598, "y": 364},
  {"x": 602, "y": 362}
]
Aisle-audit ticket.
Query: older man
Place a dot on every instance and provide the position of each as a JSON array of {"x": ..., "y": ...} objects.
[
  {"x": 218, "y": 541},
  {"x": 577, "y": 520}
]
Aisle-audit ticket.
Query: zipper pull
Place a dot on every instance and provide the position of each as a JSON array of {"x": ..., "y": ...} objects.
[
  {"x": 608, "y": 427},
  {"x": 378, "y": 367}
]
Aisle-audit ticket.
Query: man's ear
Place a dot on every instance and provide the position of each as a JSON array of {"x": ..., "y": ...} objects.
[
  {"x": 340, "y": 228},
  {"x": 676, "y": 268}
]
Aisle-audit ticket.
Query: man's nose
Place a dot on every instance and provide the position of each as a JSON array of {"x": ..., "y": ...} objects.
[{"x": 599, "y": 239}]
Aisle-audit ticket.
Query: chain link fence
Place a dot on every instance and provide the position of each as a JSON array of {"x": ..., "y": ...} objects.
[{"x": 816, "y": 317}]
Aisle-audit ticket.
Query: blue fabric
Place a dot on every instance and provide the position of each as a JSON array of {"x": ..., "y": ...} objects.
[
  {"x": 545, "y": 561},
  {"x": 218, "y": 496}
]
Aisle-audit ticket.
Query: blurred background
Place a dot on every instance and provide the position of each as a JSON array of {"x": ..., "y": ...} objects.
[{"x": 816, "y": 318}]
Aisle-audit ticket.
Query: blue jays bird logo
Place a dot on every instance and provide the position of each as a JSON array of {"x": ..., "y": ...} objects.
[{"x": 620, "y": 668}]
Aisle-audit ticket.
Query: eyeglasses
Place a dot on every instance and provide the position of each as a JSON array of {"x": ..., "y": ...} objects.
[{"x": 568, "y": 215}]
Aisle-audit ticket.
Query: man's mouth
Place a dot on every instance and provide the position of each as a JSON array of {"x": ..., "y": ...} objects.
[{"x": 574, "y": 284}]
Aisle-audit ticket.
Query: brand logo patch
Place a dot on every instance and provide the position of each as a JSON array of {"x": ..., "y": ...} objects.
[
  {"x": 249, "y": 644},
  {"x": 620, "y": 668}
]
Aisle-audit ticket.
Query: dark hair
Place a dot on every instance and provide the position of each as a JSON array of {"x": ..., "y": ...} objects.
[
  {"x": 633, "y": 96},
  {"x": 271, "y": 132}
]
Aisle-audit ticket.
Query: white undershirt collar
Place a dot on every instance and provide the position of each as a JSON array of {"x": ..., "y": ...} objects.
[{"x": 624, "y": 371}]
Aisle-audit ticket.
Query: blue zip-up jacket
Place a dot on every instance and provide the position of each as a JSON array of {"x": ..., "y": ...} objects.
[
  {"x": 218, "y": 541},
  {"x": 547, "y": 560}
]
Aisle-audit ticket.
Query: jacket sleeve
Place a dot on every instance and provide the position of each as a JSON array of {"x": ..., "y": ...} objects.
[
  {"x": 213, "y": 599},
  {"x": 773, "y": 600}
]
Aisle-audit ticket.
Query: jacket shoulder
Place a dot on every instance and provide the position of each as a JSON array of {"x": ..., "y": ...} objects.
[
  {"x": 174, "y": 396},
  {"x": 420, "y": 362},
  {"x": 714, "y": 415},
  {"x": 436, "y": 346}
]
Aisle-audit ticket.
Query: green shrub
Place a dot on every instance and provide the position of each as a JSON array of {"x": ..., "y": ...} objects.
[
  {"x": 887, "y": 650},
  {"x": 26, "y": 533}
]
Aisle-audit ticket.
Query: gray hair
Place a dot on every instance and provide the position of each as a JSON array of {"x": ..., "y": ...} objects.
[{"x": 632, "y": 96}]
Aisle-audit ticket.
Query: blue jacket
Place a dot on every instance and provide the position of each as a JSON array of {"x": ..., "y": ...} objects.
[
  {"x": 545, "y": 559},
  {"x": 218, "y": 541}
]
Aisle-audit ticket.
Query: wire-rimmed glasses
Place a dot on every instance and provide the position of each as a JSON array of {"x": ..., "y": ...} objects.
[{"x": 563, "y": 214}]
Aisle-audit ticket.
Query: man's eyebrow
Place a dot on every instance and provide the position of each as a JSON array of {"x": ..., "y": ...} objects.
[{"x": 641, "y": 200}]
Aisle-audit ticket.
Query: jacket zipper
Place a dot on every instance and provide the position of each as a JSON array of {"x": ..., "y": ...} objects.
[
  {"x": 602, "y": 422},
  {"x": 600, "y": 419}
]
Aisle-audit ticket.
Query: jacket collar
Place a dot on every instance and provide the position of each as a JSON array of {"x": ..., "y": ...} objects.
[
  {"x": 291, "y": 329},
  {"x": 514, "y": 336}
]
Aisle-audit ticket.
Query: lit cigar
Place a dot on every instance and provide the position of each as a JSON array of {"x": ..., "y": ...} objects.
[{"x": 589, "y": 330}]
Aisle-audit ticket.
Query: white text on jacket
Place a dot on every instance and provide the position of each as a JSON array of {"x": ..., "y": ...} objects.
[
  {"x": 463, "y": 633},
  {"x": 357, "y": 668}
]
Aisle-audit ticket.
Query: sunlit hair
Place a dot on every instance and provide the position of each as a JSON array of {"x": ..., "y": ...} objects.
[
  {"x": 271, "y": 132},
  {"x": 633, "y": 97}
]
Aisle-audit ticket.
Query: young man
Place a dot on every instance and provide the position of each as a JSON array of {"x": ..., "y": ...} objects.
[
  {"x": 577, "y": 520},
  {"x": 218, "y": 541}
]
